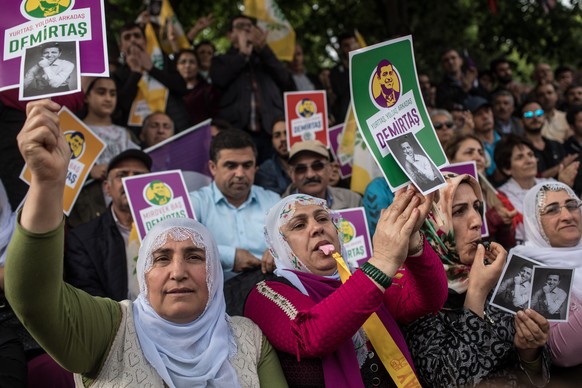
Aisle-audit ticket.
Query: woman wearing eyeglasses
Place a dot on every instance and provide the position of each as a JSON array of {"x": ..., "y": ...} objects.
[
  {"x": 514, "y": 157},
  {"x": 553, "y": 233},
  {"x": 443, "y": 123},
  {"x": 470, "y": 342}
]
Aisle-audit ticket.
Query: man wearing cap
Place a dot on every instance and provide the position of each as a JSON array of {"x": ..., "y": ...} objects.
[
  {"x": 96, "y": 255},
  {"x": 484, "y": 125},
  {"x": 310, "y": 170}
]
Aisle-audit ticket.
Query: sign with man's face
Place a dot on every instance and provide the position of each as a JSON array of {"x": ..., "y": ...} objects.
[
  {"x": 356, "y": 236},
  {"x": 29, "y": 24},
  {"x": 85, "y": 150},
  {"x": 306, "y": 117},
  {"x": 388, "y": 103},
  {"x": 155, "y": 197}
]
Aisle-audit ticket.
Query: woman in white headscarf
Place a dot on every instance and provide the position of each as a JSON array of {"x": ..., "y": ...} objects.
[
  {"x": 345, "y": 333},
  {"x": 553, "y": 232},
  {"x": 175, "y": 334}
]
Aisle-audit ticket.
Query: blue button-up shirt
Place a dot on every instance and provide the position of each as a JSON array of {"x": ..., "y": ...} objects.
[{"x": 234, "y": 227}]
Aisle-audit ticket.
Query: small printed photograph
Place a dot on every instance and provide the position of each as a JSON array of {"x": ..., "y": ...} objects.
[
  {"x": 550, "y": 293},
  {"x": 50, "y": 69},
  {"x": 412, "y": 158},
  {"x": 513, "y": 289}
]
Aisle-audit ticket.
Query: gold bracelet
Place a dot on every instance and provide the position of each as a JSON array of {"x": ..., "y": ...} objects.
[{"x": 417, "y": 249}]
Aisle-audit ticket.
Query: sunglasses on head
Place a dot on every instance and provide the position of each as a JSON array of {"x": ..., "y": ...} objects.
[
  {"x": 531, "y": 113},
  {"x": 448, "y": 124},
  {"x": 318, "y": 165},
  {"x": 554, "y": 208}
]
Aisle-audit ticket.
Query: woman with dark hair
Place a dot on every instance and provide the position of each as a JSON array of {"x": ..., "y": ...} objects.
[
  {"x": 202, "y": 99},
  {"x": 469, "y": 342},
  {"x": 501, "y": 215}
]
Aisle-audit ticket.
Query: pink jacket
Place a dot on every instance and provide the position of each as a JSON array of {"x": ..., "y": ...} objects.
[{"x": 295, "y": 324}]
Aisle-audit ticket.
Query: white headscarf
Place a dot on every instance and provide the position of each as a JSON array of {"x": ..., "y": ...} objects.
[
  {"x": 285, "y": 259},
  {"x": 7, "y": 223},
  {"x": 537, "y": 245},
  {"x": 194, "y": 354}
]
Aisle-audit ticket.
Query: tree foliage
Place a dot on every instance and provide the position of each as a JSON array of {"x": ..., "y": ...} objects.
[{"x": 521, "y": 29}]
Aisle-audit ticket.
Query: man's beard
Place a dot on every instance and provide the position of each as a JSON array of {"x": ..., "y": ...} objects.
[{"x": 534, "y": 131}]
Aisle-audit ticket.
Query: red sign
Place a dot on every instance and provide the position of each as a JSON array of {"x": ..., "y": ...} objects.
[{"x": 306, "y": 117}]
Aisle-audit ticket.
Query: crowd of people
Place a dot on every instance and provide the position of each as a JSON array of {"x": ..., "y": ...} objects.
[{"x": 258, "y": 291}]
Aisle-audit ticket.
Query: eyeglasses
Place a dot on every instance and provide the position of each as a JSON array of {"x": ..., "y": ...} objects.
[
  {"x": 554, "y": 208},
  {"x": 316, "y": 166},
  {"x": 531, "y": 113},
  {"x": 439, "y": 126}
]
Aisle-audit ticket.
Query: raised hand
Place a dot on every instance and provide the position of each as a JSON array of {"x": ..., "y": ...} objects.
[
  {"x": 395, "y": 225},
  {"x": 42, "y": 144}
]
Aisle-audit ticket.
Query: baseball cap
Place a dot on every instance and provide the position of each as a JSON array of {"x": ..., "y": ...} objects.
[
  {"x": 131, "y": 153},
  {"x": 313, "y": 146},
  {"x": 474, "y": 103}
]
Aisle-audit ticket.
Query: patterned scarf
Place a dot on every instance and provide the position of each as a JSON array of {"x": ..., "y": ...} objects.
[{"x": 440, "y": 234}]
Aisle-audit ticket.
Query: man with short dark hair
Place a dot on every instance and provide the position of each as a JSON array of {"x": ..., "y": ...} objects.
[
  {"x": 457, "y": 85},
  {"x": 483, "y": 128},
  {"x": 339, "y": 76},
  {"x": 555, "y": 125},
  {"x": 96, "y": 258},
  {"x": 137, "y": 63},
  {"x": 503, "y": 108},
  {"x": 502, "y": 69},
  {"x": 232, "y": 208},
  {"x": 515, "y": 291},
  {"x": 550, "y": 154},
  {"x": 272, "y": 174},
  {"x": 549, "y": 300},
  {"x": 251, "y": 80},
  {"x": 310, "y": 170},
  {"x": 51, "y": 74}
]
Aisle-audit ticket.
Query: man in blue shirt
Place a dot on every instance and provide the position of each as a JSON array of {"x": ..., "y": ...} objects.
[{"x": 232, "y": 208}]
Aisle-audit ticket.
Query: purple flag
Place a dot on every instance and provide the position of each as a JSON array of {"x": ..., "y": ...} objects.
[{"x": 188, "y": 150}]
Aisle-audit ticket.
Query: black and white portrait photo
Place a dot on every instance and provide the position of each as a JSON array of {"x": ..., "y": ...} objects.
[
  {"x": 514, "y": 287},
  {"x": 50, "y": 69},
  {"x": 412, "y": 158},
  {"x": 550, "y": 295}
]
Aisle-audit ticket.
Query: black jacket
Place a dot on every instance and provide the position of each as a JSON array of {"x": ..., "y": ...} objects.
[
  {"x": 232, "y": 74},
  {"x": 95, "y": 258}
]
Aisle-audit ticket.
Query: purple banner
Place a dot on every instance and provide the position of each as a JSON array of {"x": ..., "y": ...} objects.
[
  {"x": 334, "y": 141},
  {"x": 356, "y": 235},
  {"x": 70, "y": 23},
  {"x": 188, "y": 150},
  {"x": 155, "y": 197}
]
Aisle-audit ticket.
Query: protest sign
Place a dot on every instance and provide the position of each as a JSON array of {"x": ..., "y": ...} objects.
[
  {"x": 155, "y": 197},
  {"x": 356, "y": 236},
  {"x": 392, "y": 117},
  {"x": 33, "y": 23},
  {"x": 306, "y": 117},
  {"x": 85, "y": 149}
]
